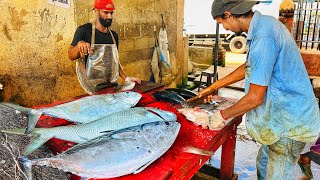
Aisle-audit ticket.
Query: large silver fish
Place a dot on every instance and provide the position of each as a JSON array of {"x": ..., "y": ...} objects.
[
  {"x": 83, "y": 110},
  {"x": 114, "y": 154},
  {"x": 84, "y": 132}
]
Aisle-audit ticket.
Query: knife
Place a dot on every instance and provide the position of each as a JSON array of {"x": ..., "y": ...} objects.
[{"x": 192, "y": 102}]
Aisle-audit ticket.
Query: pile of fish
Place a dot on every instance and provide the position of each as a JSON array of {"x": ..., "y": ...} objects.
[{"x": 114, "y": 139}]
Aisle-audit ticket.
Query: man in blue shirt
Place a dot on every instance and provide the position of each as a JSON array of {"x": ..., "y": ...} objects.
[{"x": 281, "y": 109}]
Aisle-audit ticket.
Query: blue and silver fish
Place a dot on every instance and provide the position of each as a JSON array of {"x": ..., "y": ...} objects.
[
  {"x": 84, "y": 132},
  {"x": 114, "y": 154},
  {"x": 83, "y": 110},
  {"x": 168, "y": 96}
]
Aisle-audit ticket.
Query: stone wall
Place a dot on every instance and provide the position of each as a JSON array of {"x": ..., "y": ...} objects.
[
  {"x": 35, "y": 37},
  {"x": 201, "y": 55}
]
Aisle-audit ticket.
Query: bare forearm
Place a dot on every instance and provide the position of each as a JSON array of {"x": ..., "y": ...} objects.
[
  {"x": 80, "y": 50},
  {"x": 73, "y": 53},
  {"x": 122, "y": 74},
  {"x": 233, "y": 77},
  {"x": 241, "y": 107},
  {"x": 253, "y": 99}
]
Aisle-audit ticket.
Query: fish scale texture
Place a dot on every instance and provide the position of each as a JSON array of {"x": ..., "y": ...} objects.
[{"x": 118, "y": 154}]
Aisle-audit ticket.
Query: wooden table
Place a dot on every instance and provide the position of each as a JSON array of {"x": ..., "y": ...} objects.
[{"x": 175, "y": 163}]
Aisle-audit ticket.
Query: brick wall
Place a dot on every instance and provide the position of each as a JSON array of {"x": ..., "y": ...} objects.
[{"x": 312, "y": 62}]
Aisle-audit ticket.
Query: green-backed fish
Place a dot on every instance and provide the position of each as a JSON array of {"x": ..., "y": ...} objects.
[{"x": 168, "y": 96}]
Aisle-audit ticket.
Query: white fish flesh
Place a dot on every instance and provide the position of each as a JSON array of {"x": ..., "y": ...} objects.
[
  {"x": 196, "y": 115},
  {"x": 114, "y": 154},
  {"x": 202, "y": 117},
  {"x": 83, "y": 110}
]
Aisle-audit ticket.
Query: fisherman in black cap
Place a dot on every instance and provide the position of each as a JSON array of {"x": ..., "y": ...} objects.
[{"x": 281, "y": 109}]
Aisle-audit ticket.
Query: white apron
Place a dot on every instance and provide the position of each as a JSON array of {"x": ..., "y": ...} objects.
[{"x": 102, "y": 67}]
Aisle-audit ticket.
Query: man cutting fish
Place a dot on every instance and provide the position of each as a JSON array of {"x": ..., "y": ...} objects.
[
  {"x": 95, "y": 44},
  {"x": 281, "y": 109}
]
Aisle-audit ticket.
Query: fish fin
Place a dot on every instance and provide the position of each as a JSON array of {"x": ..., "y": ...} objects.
[
  {"x": 80, "y": 146},
  {"x": 26, "y": 167},
  {"x": 143, "y": 167},
  {"x": 107, "y": 132},
  {"x": 194, "y": 150},
  {"x": 33, "y": 115},
  {"x": 37, "y": 141},
  {"x": 33, "y": 118},
  {"x": 15, "y": 131},
  {"x": 84, "y": 178},
  {"x": 17, "y": 107}
]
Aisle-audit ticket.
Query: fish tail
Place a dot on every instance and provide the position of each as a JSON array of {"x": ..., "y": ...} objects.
[
  {"x": 33, "y": 115},
  {"x": 33, "y": 118},
  {"x": 37, "y": 139},
  {"x": 26, "y": 167},
  {"x": 14, "y": 131}
]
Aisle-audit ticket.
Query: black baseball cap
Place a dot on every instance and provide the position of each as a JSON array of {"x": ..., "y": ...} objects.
[{"x": 234, "y": 6}]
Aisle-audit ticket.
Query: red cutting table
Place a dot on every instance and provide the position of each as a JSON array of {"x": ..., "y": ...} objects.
[{"x": 174, "y": 164}]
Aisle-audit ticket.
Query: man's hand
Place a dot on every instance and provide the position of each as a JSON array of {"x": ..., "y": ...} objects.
[
  {"x": 133, "y": 79},
  {"x": 84, "y": 48},
  {"x": 202, "y": 93}
]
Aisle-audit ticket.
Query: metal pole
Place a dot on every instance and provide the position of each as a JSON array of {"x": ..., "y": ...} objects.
[
  {"x": 309, "y": 25},
  {"x": 297, "y": 31},
  {"x": 315, "y": 24},
  {"x": 215, "y": 58},
  {"x": 304, "y": 19}
]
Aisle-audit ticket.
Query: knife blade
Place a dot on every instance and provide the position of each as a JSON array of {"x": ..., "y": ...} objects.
[{"x": 192, "y": 102}]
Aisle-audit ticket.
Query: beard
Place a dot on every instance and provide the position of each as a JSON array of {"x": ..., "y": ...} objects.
[{"x": 105, "y": 22}]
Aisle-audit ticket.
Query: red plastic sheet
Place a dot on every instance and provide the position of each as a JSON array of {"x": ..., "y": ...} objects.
[{"x": 174, "y": 164}]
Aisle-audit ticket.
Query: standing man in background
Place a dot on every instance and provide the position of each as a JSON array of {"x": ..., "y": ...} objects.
[
  {"x": 281, "y": 109},
  {"x": 96, "y": 44}
]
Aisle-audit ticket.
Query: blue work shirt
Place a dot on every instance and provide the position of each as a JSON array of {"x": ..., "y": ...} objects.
[{"x": 290, "y": 108}]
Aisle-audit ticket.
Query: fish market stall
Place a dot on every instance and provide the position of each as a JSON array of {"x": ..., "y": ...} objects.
[{"x": 175, "y": 163}]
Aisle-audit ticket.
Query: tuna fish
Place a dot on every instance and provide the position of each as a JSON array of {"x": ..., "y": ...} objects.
[
  {"x": 186, "y": 94},
  {"x": 83, "y": 110},
  {"x": 113, "y": 154},
  {"x": 84, "y": 132},
  {"x": 168, "y": 96}
]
